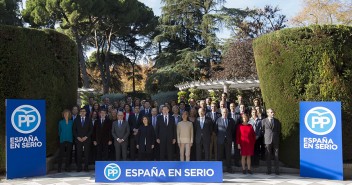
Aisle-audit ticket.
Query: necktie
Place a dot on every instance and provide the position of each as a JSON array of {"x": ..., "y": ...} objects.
[
  {"x": 102, "y": 121},
  {"x": 136, "y": 117},
  {"x": 153, "y": 121},
  {"x": 82, "y": 122},
  {"x": 233, "y": 115},
  {"x": 165, "y": 120},
  {"x": 225, "y": 123},
  {"x": 213, "y": 116},
  {"x": 201, "y": 123},
  {"x": 146, "y": 111},
  {"x": 119, "y": 123}
]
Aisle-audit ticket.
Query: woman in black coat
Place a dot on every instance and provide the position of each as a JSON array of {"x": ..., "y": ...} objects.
[{"x": 145, "y": 140}]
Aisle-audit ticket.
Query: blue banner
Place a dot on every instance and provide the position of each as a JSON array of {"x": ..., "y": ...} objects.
[
  {"x": 321, "y": 140},
  {"x": 158, "y": 171},
  {"x": 25, "y": 138}
]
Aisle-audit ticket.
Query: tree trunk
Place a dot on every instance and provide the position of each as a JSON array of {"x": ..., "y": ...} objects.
[
  {"x": 82, "y": 63},
  {"x": 133, "y": 80}
]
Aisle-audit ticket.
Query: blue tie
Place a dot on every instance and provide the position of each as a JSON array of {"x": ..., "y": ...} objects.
[
  {"x": 201, "y": 123},
  {"x": 82, "y": 122}
]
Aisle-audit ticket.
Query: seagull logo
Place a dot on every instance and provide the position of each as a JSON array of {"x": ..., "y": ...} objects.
[
  {"x": 320, "y": 120},
  {"x": 25, "y": 119}
]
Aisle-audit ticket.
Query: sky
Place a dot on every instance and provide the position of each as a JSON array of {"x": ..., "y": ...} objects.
[{"x": 288, "y": 7}]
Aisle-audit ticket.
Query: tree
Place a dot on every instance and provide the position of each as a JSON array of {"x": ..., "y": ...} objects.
[
  {"x": 251, "y": 23},
  {"x": 245, "y": 25},
  {"x": 75, "y": 18},
  {"x": 324, "y": 12},
  {"x": 120, "y": 29},
  {"x": 9, "y": 12},
  {"x": 187, "y": 41}
]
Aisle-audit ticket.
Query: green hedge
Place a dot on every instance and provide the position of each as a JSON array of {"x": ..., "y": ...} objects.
[
  {"x": 310, "y": 63},
  {"x": 37, "y": 65}
]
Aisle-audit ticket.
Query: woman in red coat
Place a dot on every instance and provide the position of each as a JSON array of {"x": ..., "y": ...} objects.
[{"x": 245, "y": 139}]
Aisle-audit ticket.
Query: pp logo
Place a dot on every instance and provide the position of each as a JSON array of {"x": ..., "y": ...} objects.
[
  {"x": 25, "y": 119},
  {"x": 112, "y": 171},
  {"x": 320, "y": 120}
]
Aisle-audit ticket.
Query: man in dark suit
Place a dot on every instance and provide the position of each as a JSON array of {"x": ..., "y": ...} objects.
[
  {"x": 204, "y": 129},
  {"x": 82, "y": 131},
  {"x": 224, "y": 130},
  {"x": 166, "y": 134},
  {"x": 102, "y": 137},
  {"x": 89, "y": 107},
  {"x": 120, "y": 132},
  {"x": 106, "y": 104},
  {"x": 213, "y": 115},
  {"x": 153, "y": 122},
  {"x": 135, "y": 120},
  {"x": 237, "y": 118},
  {"x": 272, "y": 132},
  {"x": 147, "y": 111}
]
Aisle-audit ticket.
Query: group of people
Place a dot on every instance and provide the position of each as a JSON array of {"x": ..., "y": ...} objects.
[{"x": 185, "y": 131}]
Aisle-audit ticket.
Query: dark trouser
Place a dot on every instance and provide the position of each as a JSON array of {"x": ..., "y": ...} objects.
[
  {"x": 112, "y": 154},
  {"x": 80, "y": 145},
  {"x": 262, "y": 148},
  {"x": 144, "y": 156},
  {"x": 120, "y": 148},
  {"x": 227, "y": 146},
  {"x": 133, "y": 148},
  {"x": 156, "y": 152},
  {"x": 166, "y": 148},
  {"x": 203, "y": 146},
  {"x": 269, "y": 150},
  {"x": 65, "y": 146},
  {"x": 213, "y": 148},
  {"x": 255, "y": 157},
  {"x": 193, "y": 151},
  {"x": 102, "y": 152},
  {"x": 92, "y": 153},
  {"x": 237, "y": 154}
]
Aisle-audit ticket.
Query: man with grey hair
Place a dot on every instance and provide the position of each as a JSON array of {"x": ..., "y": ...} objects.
[
  {"x": 120, "y": 132},
  {"x": 272, "y": 131}
]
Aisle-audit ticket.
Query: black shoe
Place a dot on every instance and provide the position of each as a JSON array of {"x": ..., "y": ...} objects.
[
  {"x": 268, "y": 173},
  {"x": 237, "y": 165},
  {"x": 229, "y": 170},
  {"x": 67, "y": 170},
  {"x": 86, "y": 169},
  {"x": 250, "y": 172},
  {"x": 244, "y": 171},
  {"x": 59, "y": 170},
  {"x": 79, "y": 169},
  {"x": 277, "y": 173}
]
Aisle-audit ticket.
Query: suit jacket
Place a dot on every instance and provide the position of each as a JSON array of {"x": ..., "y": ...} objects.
[
  {"x": 179, "y": 119},
  {"x": 165, "y": 132},
  {"x": 223, "y": 132},
  {"x": 145, "y": 138},
  {"x": 185, "y": 132},
  {"x": 210, "y": 115},
  {"x": 134, "y": 122},
  {"x": 121, "y": 132},
  {"x": 88, "y": 110},
  {"x": 82, "y": 131},
  {"x": 272, "y": 131},
  {"x": 104, "y": 107},
  {"x": 143, "y": 113},
  {"x": 204, "y": 133},
  {"x": 102, "y": 131}
]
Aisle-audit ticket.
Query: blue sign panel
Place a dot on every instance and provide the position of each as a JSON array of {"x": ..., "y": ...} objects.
[
  {"x": 113, "y": 171},
  {"x": 321, "y": 140},
  {"x": 25, "y": 138}
]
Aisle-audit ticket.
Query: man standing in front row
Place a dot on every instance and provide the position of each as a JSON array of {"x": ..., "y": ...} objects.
[
  {"x": 120, "y": 132},
  {"x": 82, "y": 131},
  {"x": 166, "y": 134},
  {"x": 272, "y": 131}
]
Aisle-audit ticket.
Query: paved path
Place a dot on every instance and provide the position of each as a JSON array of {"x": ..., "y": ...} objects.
[{"x": 86, "y": 178}]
